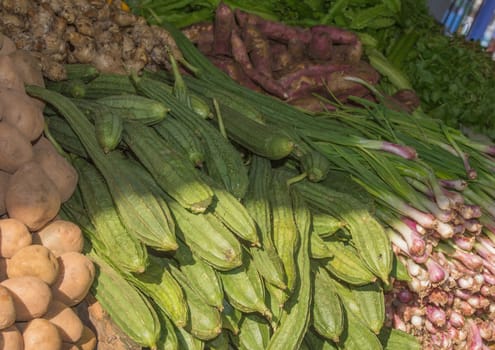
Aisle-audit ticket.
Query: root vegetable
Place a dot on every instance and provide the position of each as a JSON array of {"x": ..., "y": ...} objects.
[
  {"x": 7, "y": 46},
  {"x": 336, "y": 34},
  {"x": 15, "y": 148},
  {"x": 234, "y": 70},
  {"x": 258, "y": 49},
  {"x": 241, "y": 56},
  {"x": 66, "y": 320},
  {"x": 309, "y": 73},
  {"x": 320, "y": 45},
  {"x": 22, "y": 112},
  {"x": 58, "y": 169},
  {"x": 14, "y": 236},
  {"x": 201, "y": 34},
  {"x": 7, "y": 309},
  {"x": 3, "y": 269},
  {"x": 34, "y": 260},
  {"x": 9, "y": 75},
  {"x": 87, "y": 340},
  {"x": 70, "y": 346},
  {"x": 11, "y": 339},
  {"x": 76, "y": 274},
  {"x": 223, "y": 26},
  {"x": 281, "y": 58},
  {"x": 31, "y": 296},
  {"x": 28, "y": 67},
  {"x": 32, "y": 197},
  {"x": 41, "y": 334},
  {"x": 60, "y": 236},
  {"x": 4, "y": 180}
]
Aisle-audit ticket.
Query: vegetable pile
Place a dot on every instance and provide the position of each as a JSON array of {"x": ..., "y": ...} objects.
[
  {"x": 98, "y": 32},
  {"x": 43, "y": 272},
  {"x": 291, "y": 63}
]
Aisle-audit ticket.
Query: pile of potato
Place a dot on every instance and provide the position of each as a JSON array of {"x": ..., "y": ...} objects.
[{"x": 43, "y": 272}]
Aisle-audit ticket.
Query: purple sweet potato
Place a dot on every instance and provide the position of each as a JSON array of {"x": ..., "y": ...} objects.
[
  {"x": 297, "y": 48},
  {"x": 336, "y": 34},
  {"x": 307, "y": 70},
  {"x": 234, "y": 70},
  {"x": 223, "y": 26},
  {"x": 258, "y": 48},
  {"x": 201, "y": 34},
  {"x": 281, "y": 58},
  {"x": 320, "y": 46},
  {"x": 241, "y": 56}
]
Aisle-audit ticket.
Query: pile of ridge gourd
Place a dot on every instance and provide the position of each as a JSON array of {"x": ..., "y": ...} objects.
[{"x": 43, "y": 272}]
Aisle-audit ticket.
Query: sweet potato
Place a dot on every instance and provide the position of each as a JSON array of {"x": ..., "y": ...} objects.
[
  {"x": 7, "y": 46},
  {"x": 336, "y": 34},
  {"x": 7, "y": 308},
  {"x": 60, "y": 236},
  {"x": 58, "y": 169},
  {"x": 29, "y": 67},
  {"x": 223, "y": 26},
  {"x": 11, "y": 339},
  {"x": 281, "y": 57},
  {"x": 41, "y": 334},
  {"x": 10, "y": 77},
  {"x": 15, "y": 148},
  {"x": 307, "y": 72},
  {"x": 258, "y": 48},
  {"x": 14, "y": 236},
  {"x": 320, "y": 46},
  {"x": 68, "y": 323},
  {"x": 34, "y": 260},
  {"x": 234, "y": 70},
  {"x": 4, "y": 180},
  {"x": 201, "y": 34},
  {"x": 241, "y": 56},
  {"x": 87, "y": 340},
  {"x": 32, "y": 197},
  {"x": 22, "y": 112},
  {"x": 76, "y": 274},
  {"x": 31, "y": 296}
]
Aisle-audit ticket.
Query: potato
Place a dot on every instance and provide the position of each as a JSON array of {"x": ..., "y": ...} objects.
[
  {"x": 29, "y": 67},
  {"x": 34, "y": 260},
  {"x": 15, "y": 148},
  {"x": 9, "y": 75},
  {"x": 68, "y": 323},
  {"x": 4, "y": 180},
  {"x": 11, "y": 339},
  {"x": 22, "y": 112},
  {"x": 76, "y": 274},
  {"x": 31, "y": 296},
  {"x": 7, "y": 308},
  {"x": 7, "y": 46},
  {"x": 60, "y": 236},
  {"x": 58, "y": 169},
  {"x": 14, "y": 236},
  {"x": 32, "y": 197},
  {"x": 41, "y": 334},
  {"x": 87, "y": 340}
]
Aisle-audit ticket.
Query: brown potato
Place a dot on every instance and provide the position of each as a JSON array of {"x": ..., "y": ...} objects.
[
  {"x": 60, "y": 236},
  {"x": 7, "y": 46},
  {"x": 29, "y": 67},
  {"x": 31, "y": 296},
  {"x": 11, "y": 339},
  {"x": 15, "y": 148},
  {"x": 76, "y": 274},
  {"x": 58, "y": 169},
  {"x": 68, "y": 323},
  {"x": 34, "y": 260},
  {"x": 7, "y": 308},
  {"x": 4, "y": 180},
  {"x": 41, "y": 334},
  {"x": 88, "y": 339},
  {"x": 14, "y": 236},
  {"x": 22, "y": 112},
  {"x": 9, "y": 75},
  {"x": 32, "y": 197}
]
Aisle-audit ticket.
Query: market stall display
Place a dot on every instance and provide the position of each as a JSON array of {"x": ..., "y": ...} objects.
[{"x": 228, "y": 218}]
